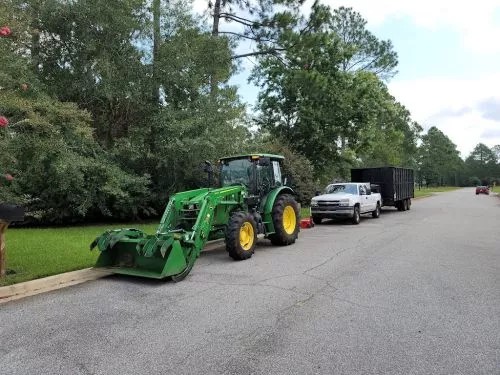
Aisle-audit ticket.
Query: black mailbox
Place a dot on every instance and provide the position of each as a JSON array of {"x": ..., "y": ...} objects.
[{"x": 10, "y": 212}]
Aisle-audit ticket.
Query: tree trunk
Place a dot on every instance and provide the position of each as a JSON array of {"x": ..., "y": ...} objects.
[
  {"x": 156, "y": 48},
  {"x": 215, "y": 32},
  {"x": 215, "y": 26},
  {"x": 35, "y": 36},
  {"x": 3, "y": 227}
]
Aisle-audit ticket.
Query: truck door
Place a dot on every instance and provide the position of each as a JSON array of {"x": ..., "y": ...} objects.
[
  {"x": 372, "y": 199},
  {"x": 364, "y": 199}
]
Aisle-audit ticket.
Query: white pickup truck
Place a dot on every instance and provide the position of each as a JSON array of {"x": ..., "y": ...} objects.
[{"x": 346, "y": 200}]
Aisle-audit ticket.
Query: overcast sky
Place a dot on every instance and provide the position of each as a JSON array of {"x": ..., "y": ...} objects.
[{"x": 449, "y": 63}]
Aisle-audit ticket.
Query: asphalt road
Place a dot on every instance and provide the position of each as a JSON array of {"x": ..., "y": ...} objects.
[{"x": 413, "y": 292}]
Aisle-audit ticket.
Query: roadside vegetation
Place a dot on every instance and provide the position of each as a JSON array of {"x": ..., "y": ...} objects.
[
  {"x": 427, "y": 191},
  {"x": 106, "y": 110}
]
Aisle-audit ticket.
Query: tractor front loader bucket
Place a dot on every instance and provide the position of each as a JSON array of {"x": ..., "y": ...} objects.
[
  {"x": 184, "y": 229},
  {"x": 132, "y": 252}
]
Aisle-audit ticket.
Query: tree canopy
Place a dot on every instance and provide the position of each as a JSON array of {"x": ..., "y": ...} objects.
[{"x": 108, "y": 107}]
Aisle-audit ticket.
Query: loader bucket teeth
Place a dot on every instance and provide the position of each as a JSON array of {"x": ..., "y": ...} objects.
[
  {"x": 94, "y": 243},
  {"x": 103, "y": 242},
  {"x": 118, "y": 236},
  {"x": 149, "y": 248},
  {"x": 165, "y": 246}
]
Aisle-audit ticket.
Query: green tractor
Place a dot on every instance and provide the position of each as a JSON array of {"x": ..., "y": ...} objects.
[{"x": 252, "y": 200}]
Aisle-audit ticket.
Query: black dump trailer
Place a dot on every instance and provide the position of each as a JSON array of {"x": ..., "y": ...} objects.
[{"x": 396, "y": 184}]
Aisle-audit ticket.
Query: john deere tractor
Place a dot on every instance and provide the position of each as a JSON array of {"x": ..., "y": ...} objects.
[{"x": 252, "y": 199}]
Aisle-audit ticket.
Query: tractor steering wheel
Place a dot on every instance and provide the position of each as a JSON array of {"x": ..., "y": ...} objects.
[{"x": 266, "y": 184}]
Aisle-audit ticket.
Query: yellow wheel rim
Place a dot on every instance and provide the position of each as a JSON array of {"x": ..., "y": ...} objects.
[
  {"x": 289, "y": 220},
  {"x": 246, "y": 236}
]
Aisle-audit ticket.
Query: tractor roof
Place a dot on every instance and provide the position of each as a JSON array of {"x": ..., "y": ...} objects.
[{"x": 255, "y": 155}]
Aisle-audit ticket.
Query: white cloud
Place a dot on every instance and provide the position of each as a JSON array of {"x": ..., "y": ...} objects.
[
  {"x": 454, "y": 106},
  {"x": 475, "y": 22}
]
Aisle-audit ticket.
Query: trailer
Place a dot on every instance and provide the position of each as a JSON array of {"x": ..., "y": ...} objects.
[{"x": 395, "y": 184}]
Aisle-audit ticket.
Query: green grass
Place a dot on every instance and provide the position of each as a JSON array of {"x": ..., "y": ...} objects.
[
  {"x": 35, "y": 253},
  {"x": 423, "y": 192},
  {"x": 305, "y": 212},
  {"x": 495, "y": 189}
]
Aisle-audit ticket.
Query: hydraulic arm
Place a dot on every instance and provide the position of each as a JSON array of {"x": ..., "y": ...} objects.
[{"x": 189, "y": 221}]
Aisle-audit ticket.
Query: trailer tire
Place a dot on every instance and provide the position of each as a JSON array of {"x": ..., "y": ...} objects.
[
  {"x": 405, "y": 204},
  {"x": 286, "y": 221},
  {"x": 241, "y": 236},
  {"x": 409, "y": 204},
  {"x": 376, "y": 213},
  {"x": 356, "y": 217},
  {"x": 401, "y": 205}
]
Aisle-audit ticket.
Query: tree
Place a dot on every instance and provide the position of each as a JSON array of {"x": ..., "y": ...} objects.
[
  {"x": 482, "y": 163},
  {"x": 439, "y": 160},
  {"x": 88, "y": 55},
  {"x": 363, "y": 50},
  {"x": 496, "y": 151},
  {"x": 61, "y": 173},
  {"x": 330, "y": 111}
]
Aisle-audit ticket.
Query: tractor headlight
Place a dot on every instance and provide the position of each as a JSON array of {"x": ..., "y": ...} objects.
[
  {"x": 344, "y": 203},
  {"x": 314, "y": 203}
]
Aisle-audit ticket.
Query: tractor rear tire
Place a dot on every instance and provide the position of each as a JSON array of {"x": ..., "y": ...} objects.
[
  {"x": 241, "y": 236},
  {"x": 286, "y": 221}
]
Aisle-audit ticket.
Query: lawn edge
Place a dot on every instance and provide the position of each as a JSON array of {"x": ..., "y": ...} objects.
[
  {"x": 46, "y": 284},
  {"x": 423, "y": 196}
]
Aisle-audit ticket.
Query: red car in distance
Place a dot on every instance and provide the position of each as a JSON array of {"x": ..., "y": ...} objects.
[{"x": 482, "y": 190}]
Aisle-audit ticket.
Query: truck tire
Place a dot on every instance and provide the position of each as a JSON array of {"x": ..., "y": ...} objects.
[
  {"x": 285, "y": 217},
  {"x": 356, "y": 217},
  {"x": 376, "y": 213},
  {"x": 317, "y": 220},
  {"x": 241, "y": 236}
]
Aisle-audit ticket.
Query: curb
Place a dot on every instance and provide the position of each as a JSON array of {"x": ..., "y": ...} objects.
[
  {"x": 30, "y": 288},
  {"x": 47, "y": 284}
]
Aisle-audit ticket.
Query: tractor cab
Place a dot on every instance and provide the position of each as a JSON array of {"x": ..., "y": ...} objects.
[{"x": 260, "y": 173}]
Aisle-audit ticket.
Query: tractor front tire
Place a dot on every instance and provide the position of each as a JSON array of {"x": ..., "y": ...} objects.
[
  {"x": 241, "y": 236},
  {"x": 286, "y": 220}
]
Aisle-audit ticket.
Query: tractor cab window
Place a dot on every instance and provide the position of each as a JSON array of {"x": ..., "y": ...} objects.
[
  {"x": 237, "y": 171},
  {"x": 277, "y": 172},
  {"x": 265, "y": 178}
]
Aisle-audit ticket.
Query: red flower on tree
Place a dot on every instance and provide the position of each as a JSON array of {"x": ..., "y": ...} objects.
[
  {"x": 9, "y": 177},
  {"x": 3, "y": 122},
  {"x": 5, "y": 31}
]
